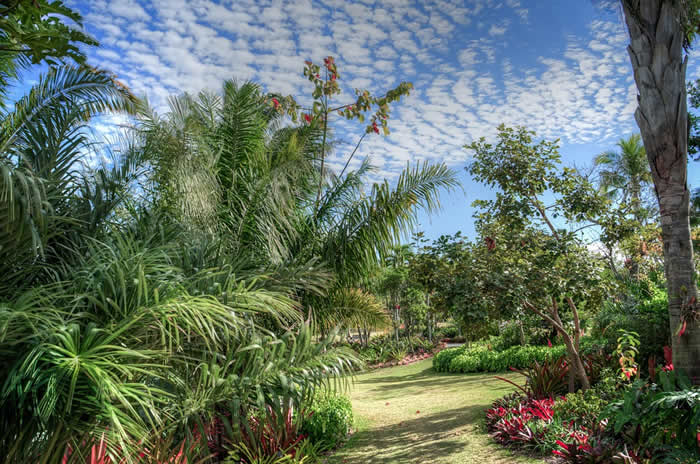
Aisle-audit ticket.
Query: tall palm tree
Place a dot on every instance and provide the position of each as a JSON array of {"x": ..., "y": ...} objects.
[
  {"x": 659, "y": 31},
  {"x": 625, "y": 174}
]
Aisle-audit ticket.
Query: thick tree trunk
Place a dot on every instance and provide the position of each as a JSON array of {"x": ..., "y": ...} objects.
[{"x": 656, "y": 53}]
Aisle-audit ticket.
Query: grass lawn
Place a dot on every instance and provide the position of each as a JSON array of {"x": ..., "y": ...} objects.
[{"x": 429, "y": 418}]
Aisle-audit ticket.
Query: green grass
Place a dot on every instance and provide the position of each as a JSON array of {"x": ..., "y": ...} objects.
[{"x": 431, "y": 418}]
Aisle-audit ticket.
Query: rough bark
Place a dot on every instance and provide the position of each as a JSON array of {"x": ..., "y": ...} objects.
[{"x": 659, "y": 64}]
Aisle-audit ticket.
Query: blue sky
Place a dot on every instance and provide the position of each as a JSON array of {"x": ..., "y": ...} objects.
[{"x": 558, "y": 67}]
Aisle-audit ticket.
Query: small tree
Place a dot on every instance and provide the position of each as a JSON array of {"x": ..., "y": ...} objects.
[{"x": 533, "y": 261}]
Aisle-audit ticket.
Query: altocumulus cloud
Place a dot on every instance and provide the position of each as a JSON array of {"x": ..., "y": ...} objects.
[{"x": 469, "y": 60}]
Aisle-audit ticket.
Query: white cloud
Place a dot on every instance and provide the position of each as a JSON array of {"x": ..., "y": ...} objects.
[{"x": 470, "y": 68}]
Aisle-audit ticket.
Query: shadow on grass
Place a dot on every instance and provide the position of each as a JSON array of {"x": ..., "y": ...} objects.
[
  {"x": 428, "y": 378},
  {"x": 425, "y": 439}
]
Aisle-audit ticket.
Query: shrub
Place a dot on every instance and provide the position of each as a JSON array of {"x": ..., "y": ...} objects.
[
  {"x": 385, "y": 348},
  {"x": 658, "y": 419},
  {"x": 646, "y": 315},
  {"x": 544, "y": 380},
  {"x": 330, "y": 420},
  {"x": 518, "y": 420},
  {"x": 582, "y": 409},
  {"x": 481, "y": 359},
  {"x": 446, "y": 332}
]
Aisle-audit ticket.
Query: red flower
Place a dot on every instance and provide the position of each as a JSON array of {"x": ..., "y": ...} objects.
[
  {"x": 549, "y": 343},
  {"x": 375, "y": 128},
  {"x": 307, "y": 118},
  {"x": 275, "y": 103}
]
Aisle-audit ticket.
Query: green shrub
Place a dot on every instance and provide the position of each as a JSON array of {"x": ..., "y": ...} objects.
[
  {"x": 646, "y": 315},
  {"x": 659, "y": 419},
  {"x": 482, "y": 359},
  {"x": 330, "y": 420},
  {"x": 584, "y": 408}
]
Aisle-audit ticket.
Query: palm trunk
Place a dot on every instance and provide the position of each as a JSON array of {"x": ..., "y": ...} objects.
[{"x": 656, "y": 53}]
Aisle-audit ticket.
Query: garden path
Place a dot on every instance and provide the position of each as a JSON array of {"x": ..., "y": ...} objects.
[{"x": 411, "y": 414}]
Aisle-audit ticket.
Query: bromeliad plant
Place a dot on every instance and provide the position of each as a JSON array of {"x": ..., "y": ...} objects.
[{"x": 546, "y": 380}]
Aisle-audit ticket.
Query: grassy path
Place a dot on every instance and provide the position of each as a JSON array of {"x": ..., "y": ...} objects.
[{"x": 410, "y": 414}]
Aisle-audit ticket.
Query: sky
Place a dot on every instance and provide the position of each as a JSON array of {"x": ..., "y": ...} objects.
[{"x": 557, "y": 67}]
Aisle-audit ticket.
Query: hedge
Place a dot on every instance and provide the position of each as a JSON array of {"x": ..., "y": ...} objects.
[{"x": 482, "y": 359}]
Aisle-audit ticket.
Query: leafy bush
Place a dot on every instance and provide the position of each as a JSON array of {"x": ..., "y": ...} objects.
[
  {"x": 450, "y": 331},
  {"x": 582, "y": 409},
  {"x": 519, "y": 419},
  {"x": 385, "y": 348},
  {"x": 660, "y": 419},
  {"x": 330, "y": 420},
  {"x": 646, "y": 314},
  {"x": 544, "y": 380},
  {"x": 481, "y": 359}
]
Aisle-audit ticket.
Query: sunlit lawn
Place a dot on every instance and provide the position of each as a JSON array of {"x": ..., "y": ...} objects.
[{"x": 410, "y": 414}]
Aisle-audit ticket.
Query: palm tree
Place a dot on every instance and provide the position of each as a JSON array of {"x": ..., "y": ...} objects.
[
  {"x": 227, "y": 164},
  {"x": 659, "y": 30},
  {"x": 47, "y": 197},
  {"x": 625, "y": 174}
]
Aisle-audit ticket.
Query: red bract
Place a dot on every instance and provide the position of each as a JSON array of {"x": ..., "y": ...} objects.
[
  {"x": 275, "y": 103},
  {"x": 668, "y": 354}
]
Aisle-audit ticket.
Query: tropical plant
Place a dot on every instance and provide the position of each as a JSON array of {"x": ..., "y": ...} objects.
[
  {"x": 624, "y": 174},
  {"x": 48, "y": 199},
  {"x": 330, "y": 420}
]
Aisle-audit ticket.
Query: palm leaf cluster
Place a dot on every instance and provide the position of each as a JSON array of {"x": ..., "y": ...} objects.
[{"x": 150, "y": 298}]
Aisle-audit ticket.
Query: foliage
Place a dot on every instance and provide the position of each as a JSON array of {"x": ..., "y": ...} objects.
[
  {"x": 519, "y": 420},
  {"x": 383, "y": 349},
  {"x": 36, "y": 31},
  {"x": 640, "y": 310},
  {"x": 583, "y": 409},
  {"x": 330, "y": 420},
  {"x": 483, "y": 359},
  {"x": 546, "y": 379},
  {"x": 626, "y": 352},
  {"x": 159, "y": 301},
  {"x": 657, "y": 419}
]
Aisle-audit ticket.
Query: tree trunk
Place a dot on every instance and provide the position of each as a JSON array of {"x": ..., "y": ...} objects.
[
  {"x": 656, "y": 53},
  {"x": 522, "y": 332}
]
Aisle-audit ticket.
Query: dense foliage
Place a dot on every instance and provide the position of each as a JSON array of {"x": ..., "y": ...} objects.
[
  {"x": 181, "y": 299},
  {"x": 330, "y": 420},
  {"x": 483, "y": 358}
]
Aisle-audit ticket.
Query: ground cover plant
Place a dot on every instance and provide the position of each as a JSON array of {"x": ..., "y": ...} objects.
[
  {"x": 619, "y": 419},
  {"x": 384, "y": 350}
]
